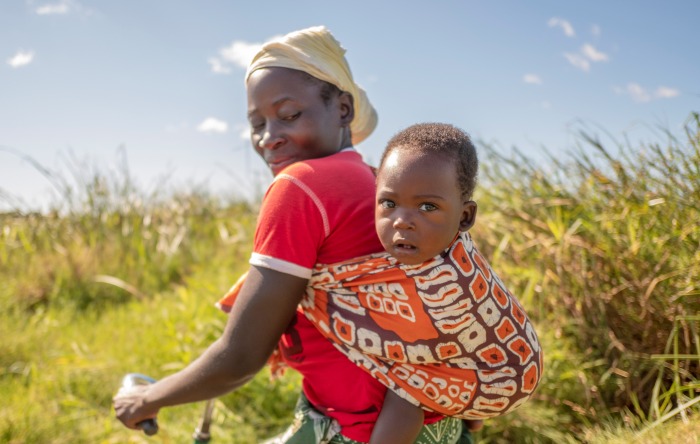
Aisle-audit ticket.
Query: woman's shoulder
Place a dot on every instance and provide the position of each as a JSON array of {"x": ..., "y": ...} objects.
[{"x": 341, "y": 165}]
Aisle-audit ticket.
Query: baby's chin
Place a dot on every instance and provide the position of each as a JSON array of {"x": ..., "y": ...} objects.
[
  {"x": 406, "y": 256},
  {"x": 412, "y": 262}
]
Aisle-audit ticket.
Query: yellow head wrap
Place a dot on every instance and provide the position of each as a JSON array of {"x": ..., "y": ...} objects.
[{"x": 316, "y": 52}]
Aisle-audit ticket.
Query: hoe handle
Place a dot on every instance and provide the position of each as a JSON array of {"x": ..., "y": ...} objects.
[{"x": 149, "y": 426}]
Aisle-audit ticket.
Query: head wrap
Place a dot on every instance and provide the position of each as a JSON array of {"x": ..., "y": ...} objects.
[{"x": 316, "y": 52}]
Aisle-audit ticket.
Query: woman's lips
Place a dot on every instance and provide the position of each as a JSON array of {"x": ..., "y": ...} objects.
[{"x": 277, "y": 165}]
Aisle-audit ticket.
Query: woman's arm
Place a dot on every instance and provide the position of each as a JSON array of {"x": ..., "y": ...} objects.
[
  {"x": 262, "y": 312},
  {"x": 399, "y": 421}
]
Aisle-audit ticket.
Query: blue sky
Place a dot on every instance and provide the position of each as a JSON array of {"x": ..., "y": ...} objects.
[{"x": 163, "y": 80}]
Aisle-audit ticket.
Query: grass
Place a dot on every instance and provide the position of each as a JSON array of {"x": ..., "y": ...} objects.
[
  {"x": 676, "y": 431},
  {"x": 72, "y": 375},
  {"x": 605, "y": 246},
  {"x": 601, "y": 246},
  {"x": 71, "y": 362}
]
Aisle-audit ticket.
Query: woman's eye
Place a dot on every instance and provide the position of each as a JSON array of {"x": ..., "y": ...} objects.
[
  {"x": 256, "y": 125},
  {"x": 427, "y": 207},
  {"x": 291, "y": 117},
  {"x": 387, "y": 203}
]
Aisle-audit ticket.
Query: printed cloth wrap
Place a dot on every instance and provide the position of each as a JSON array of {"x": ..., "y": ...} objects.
[{"x": 446, "y": 334}]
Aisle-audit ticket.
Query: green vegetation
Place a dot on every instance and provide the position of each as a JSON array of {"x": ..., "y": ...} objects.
[{"x": 602, "y": 245}]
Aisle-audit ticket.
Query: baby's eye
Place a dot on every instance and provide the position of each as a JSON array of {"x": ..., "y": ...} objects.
[
  {"x": 427, "y": 207},
  {"x": 386, "y": 203}
]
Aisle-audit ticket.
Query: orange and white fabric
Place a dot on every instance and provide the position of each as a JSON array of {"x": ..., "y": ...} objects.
[{"x": 446, "y": 335}]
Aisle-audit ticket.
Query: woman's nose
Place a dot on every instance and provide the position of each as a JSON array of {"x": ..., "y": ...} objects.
[{"x": 270, "y": 139}]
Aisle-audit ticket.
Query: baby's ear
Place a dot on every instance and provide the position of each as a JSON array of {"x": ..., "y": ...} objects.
[{"x": 468, "y": 215}]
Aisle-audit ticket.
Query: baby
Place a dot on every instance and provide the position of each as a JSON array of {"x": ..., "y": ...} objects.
[{"x": 428, "y": 318}]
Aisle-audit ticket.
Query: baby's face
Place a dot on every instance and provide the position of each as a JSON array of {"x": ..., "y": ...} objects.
[{"x": 419, "y": 205}]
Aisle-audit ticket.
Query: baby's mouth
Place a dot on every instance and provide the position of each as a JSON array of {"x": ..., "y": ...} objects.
[{"x": 404, "y": 246}]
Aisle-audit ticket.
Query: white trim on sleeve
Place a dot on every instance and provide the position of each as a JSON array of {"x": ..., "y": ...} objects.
[{"x": 280, "y": 265}]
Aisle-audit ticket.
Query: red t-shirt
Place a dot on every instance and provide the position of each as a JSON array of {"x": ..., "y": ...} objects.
[{"x": 322, "y": 211}]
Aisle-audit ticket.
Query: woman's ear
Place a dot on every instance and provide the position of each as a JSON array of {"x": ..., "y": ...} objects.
[
  {"x": 468, "y": 215},
  {"x": 347, "y": 107}
]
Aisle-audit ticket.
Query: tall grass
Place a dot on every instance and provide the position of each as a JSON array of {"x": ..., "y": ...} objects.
[
  {"x": 105, "y": 241},
  {"x": 605, "y": 248},
  {"x": 602, "y": 246}
]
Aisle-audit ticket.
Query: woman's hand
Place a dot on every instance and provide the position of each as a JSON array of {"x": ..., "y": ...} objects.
[
  {"x": 130, "y": 406},
  {"x": 263, "y": 310}
]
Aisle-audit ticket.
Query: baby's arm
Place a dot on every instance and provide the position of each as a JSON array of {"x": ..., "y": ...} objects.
[{"x": 399, "y": 421}]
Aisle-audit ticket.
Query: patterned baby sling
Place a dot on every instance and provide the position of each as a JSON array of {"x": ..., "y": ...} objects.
[{"x": 445, "y": 335}]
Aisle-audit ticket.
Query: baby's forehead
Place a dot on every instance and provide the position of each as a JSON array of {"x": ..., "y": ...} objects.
[
  {"x": 409, "y": 162},
  {"x": 399, "y": 155}
]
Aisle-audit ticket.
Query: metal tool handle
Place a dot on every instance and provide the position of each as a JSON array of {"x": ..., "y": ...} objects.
[
  {"x": 201, "y": 433},
  {"x": 149, "y": 426}
]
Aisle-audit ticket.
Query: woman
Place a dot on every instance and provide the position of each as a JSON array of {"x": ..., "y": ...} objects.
[{"x": 305, "y": 113}]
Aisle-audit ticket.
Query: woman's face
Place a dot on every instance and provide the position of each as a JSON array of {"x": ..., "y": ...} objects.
[
  {"x": 420, "y": 208},
  {"x": 289, "y": 121}
]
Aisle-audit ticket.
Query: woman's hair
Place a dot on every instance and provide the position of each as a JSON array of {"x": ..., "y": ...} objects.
[
  {"x": 328, "y": 90},
  {"x": 440, "y": 139}
]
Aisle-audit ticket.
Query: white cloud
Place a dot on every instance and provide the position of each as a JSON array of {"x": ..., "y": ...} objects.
[
  {"x": 593, "y": 54},
  {"x": 218, "y": 66},
  {"x": 20, "y": 59},
  {"x": 60, "y": 7},
  {"x": 578, "y": 61},
  {"x": 238, "y": 54},
  {"x": 532, "y": 79},
  {"x": 595, "y": 30},
  {"x": 640, "y": 94},
  {"x": 55, "y": 8},
  {"x": 634, "y": 90},
  {"x": 212, "y": 125},
  {"x": 546, "y": 105},
  {"x": 664, "y": 92},
  {"x": 582, "y": 60},
  {"x": 563, "y": 24}
]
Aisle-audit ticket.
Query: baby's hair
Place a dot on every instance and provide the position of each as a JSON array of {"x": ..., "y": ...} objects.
[{"x": 440, "y": 139}]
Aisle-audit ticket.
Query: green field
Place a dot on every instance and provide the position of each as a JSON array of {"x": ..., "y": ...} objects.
[{"x": 602, "y": 245}]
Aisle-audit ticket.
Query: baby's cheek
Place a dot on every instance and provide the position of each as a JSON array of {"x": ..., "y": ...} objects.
[{"x": 385, "y": 232}]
